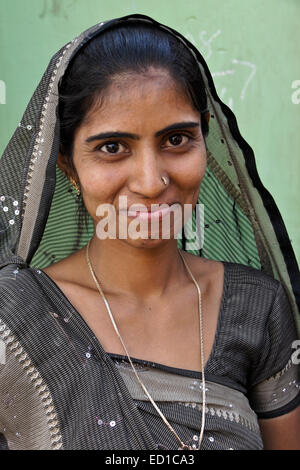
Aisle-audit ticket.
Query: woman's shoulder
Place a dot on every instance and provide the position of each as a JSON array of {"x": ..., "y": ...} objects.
[
  {"x": 245, "y": 274},
  {"x": 21, "y": 295},
  {"x": 234, "y": 273},
  {"x": 68, "y": 270},
  {"x": 263, "y": 299}
]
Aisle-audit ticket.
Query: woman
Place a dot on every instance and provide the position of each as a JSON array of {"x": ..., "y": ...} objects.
[{"x": 121, "y": 342}]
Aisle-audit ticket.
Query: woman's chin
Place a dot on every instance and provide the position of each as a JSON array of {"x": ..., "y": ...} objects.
[{"x": 148, "y": 242}]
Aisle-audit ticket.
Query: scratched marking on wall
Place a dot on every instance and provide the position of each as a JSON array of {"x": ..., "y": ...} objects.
[
  {"x": 56, "y": 8},
  {"x": 2, "y": 92},
  {"x": 207, "y": 50}
]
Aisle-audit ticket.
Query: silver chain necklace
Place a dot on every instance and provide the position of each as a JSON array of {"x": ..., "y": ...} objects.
[{"x": 183, "y": 446}]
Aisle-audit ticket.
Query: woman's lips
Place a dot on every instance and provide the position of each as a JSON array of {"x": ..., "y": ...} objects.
[
  {"x": 155, "y": 214},
  {"x": 159, "y": 213}
]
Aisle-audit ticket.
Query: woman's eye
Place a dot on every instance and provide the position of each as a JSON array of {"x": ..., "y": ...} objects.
[
  {"x": 111, "y": 147},
  {"x": 177, "y": 139}
]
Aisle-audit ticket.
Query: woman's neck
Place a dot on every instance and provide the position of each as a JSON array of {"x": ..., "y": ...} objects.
[{"x": 136, "y": 271}]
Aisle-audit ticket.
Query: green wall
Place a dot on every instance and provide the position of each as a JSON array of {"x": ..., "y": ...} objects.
[{"x": 251, "y": 47}]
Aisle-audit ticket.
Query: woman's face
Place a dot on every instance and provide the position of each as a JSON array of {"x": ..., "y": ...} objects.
[{"x": 144, "y": 128}]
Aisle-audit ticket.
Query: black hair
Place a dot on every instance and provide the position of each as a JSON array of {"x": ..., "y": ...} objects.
[
  {"x": 134, "y": 47},
  {"x": 131, "y": 48}
]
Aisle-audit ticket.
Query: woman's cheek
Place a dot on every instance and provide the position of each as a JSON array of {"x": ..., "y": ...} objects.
[
  {"x": 194, "y": 175},
  {"x": 191, "y": 175},
  {"x": 94, "y": 192}
]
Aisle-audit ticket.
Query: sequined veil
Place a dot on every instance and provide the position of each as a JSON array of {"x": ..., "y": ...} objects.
[{"x": 38, "y": 223}]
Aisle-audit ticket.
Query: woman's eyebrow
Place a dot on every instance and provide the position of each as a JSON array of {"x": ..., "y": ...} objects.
[
  {"x": 109, "y": 135},
  {"x": 177, "y": 126}
]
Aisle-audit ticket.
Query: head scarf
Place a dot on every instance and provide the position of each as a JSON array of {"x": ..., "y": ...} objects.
[{"x": 38, "y": 224}]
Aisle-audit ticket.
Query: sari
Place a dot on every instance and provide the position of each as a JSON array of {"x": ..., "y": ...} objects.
[{"x": 53, "y": 371}]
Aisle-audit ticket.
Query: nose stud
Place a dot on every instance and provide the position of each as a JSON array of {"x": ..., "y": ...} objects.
[{"x": 165, "y": 181}]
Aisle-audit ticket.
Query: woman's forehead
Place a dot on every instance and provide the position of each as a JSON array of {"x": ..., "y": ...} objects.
[
  {"x": 147, "y": 104},
  {"x": 139, "y": 94}
]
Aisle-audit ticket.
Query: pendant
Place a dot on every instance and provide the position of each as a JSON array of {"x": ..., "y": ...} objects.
[{"x": 185, "y": 447}]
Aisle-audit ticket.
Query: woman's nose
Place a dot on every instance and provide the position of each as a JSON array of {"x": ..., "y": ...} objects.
[{"x": 146, "y": 175}]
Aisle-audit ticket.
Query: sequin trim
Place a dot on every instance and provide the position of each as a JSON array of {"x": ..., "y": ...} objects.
[
  {"x": 39, "y": 140},
  {"x": 221, "y": 413},
  {"x": 282, "y": 371},
  {"x": 14, "y": 346}
]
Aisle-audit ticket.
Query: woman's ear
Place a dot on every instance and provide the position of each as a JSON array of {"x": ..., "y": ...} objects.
[
  {"x": 64, "y": 165},
  {"x": 207, "y": 116}
]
